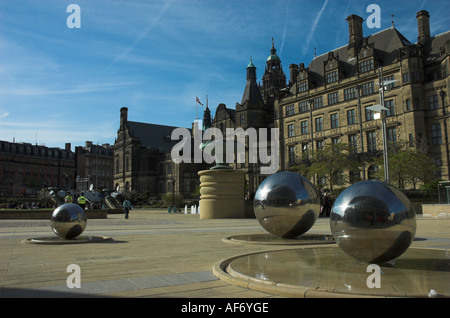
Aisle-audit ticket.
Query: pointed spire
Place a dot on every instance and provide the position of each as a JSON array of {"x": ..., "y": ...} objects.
[
  {"x": 206, "y": 118},
  {"x": 251, "y": 71},
  {"x": 251, "y": 92},
  {"x": 251, "y": 65},
  {"x": 273, "y": 50}
]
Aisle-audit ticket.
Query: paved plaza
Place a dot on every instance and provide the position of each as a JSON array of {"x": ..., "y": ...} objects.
[{"x": 152, "y": 254}]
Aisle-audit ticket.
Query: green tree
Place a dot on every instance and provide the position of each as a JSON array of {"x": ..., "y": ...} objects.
[
  {"x": 331, "y": 162},
  {"x": 302, "y": 168},
  {"x": 408, "y": 166}
]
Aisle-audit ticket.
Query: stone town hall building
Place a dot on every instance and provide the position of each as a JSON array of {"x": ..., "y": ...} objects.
[
  {"x": 324, "y": 102},
  {"x": 328, "y": 100}
]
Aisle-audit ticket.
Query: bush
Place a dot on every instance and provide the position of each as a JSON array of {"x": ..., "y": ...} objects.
[{"x": 167, "y": 200}]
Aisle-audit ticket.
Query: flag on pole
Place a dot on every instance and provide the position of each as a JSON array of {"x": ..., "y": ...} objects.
[{"x": 198, "y": 101}]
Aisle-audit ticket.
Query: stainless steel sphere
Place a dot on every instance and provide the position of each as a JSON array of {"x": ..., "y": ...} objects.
[
  {"x": 373, "y": 221},
  {"x": 68, "y": 221},
  {"x": 286, "y": 204}
]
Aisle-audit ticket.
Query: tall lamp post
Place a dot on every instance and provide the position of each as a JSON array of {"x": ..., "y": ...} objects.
[{"x": 381, "y": 111}]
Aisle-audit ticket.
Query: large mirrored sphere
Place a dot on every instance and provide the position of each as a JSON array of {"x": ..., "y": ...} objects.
[
  {"x": 373, "y": 221},
  {"x": 286, "y": 204},
  {"x": 68, "y": 220}
]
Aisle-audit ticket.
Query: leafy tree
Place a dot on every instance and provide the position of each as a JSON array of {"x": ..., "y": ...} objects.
[
  {"x": 331, "y": 162},
  {"x": 302, "y": 168},
  {"x": 408, "y": 166}
]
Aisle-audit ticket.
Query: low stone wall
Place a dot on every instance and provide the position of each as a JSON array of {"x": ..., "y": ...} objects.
[
  {"x": 436, "y": 210},
  {"x": 45, "y": 214}
]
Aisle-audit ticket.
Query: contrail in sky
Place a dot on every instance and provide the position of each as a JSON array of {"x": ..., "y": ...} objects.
[
  {"x": 285, "y": 26},
  {"x": 310, "y": 35},
  {"x": 145, "y": 31}
]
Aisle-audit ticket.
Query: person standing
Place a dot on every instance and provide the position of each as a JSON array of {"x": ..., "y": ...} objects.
[
  {"x": 126, "y": 207},
  {"x": 82, "y": 201},
  {"x": 68, "y": 198},
  {"x": 327, "y": 203}
]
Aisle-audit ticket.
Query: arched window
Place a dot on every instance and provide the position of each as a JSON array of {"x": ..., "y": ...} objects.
[
  {"x": 127, "y": 162},
  {"x": 117, "y": 164},
  {"x": 372, "y": 171}
]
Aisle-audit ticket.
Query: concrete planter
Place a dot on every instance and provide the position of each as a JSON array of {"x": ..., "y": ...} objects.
[{"x": 222, "y": 194}]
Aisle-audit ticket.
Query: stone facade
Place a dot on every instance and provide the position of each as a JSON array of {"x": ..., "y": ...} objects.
[
  {"x": 328, "y": 100},
  {"x": 94, "y": 166},
  {"x": 256, "y": 110},
  {"x": 26, "y": 168},
  {"x": 143, "y": 163}
]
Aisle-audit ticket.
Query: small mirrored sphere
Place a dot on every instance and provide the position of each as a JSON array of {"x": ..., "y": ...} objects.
[
  {"x": 68, "y": 220},
  {"x": 286, "y": 204},
  {"x": 373, "y": 221}
]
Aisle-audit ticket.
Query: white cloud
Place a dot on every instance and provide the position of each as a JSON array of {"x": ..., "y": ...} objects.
[{"x": 36, "y": 89}]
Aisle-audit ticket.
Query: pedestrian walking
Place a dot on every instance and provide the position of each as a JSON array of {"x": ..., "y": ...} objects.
[{"x": 126, "y": 207}]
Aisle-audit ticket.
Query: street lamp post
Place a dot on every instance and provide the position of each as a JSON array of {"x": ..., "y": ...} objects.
[
  {"x": 173, "y": 195},
  {"x": 381, "y": 110}
]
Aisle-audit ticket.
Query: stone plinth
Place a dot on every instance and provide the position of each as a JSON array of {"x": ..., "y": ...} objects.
[
  {"x": 436, "y": 210},
  {"x": 222, "y": 194}
]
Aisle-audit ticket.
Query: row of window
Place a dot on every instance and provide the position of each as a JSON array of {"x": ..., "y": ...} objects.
[
  {"x": 364, "y": 66},
  {"x": 371, "y": 141},
  {"x": 333, "y": 98},
  {"x": 12, "y": 169},
  {"x": 334, "y": 119},
  {"x": 35, "y": 151}
]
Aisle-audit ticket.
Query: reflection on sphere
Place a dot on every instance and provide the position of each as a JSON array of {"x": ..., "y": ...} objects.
[
  {"x": 68, "y": 221},
  {"x": 286, "y": 204},
  {"x": 373, "y": 221}
]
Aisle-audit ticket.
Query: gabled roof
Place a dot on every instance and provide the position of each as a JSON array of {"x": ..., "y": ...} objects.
[
  {"x": 386, "y": 43},
  {"x": 223, "y": 112},
  {"x": 153, "y": 136},
  {"x": 433, "y": 47}
]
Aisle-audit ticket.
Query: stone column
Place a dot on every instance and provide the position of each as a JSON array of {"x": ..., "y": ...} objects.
[{"x": 222, "y": 194}]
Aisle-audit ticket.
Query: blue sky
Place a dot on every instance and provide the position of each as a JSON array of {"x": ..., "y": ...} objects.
[{"x": 60, "y": 84}]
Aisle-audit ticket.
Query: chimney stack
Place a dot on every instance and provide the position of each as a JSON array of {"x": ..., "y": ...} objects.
[
  {"x": 423, "y": 24},
  {"x": 293, "y": 71},
  {"x": 123, "y": 116},
  {"x": 355, "y": 28}
]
